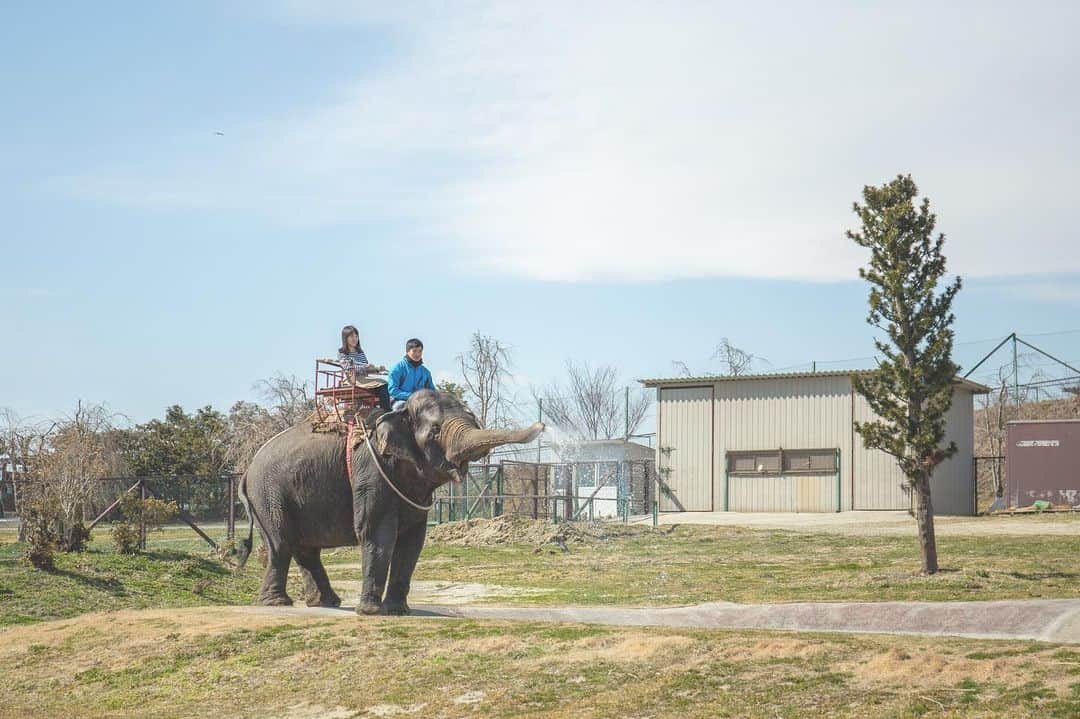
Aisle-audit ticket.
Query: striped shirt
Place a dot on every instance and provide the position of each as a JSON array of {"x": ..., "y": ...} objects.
[{"x": 353, "y": 361}]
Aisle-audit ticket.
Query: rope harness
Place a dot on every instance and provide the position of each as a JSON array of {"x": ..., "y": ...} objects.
[{"x": 378, "y": 466}]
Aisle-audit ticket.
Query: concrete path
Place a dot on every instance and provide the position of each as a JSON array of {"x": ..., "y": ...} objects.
[{"x": 1049, "y": 620}]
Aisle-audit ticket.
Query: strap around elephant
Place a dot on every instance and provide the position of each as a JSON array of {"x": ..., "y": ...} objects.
[{"x": 378, "y": 465}]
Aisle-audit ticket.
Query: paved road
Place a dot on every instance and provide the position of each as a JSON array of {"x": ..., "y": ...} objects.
[{"x": 1050, "y": 620}]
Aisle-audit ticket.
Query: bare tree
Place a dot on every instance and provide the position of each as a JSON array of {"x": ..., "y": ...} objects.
[
  {"x": 734, "y": 361},
  {"x": 250, "y": 425},
  {"x": 996, "y": 412},
  {"x": 681, "y": 368},
  {"x": 289, "y": 398},
  {"x": 485, "y": 368},
  {"x": 24, "y": 442},
  {"x": 81, "y": 449},
  {"x": 591, "y": 406}
]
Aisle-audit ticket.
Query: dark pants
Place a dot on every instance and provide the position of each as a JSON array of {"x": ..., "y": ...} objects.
[{"x": 384, "y": 397}]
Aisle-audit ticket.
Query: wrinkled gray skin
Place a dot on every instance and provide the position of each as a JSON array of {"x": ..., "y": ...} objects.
[{"x": 296, "y": 491}]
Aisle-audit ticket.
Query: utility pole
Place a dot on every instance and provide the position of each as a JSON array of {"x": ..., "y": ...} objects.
[{"x": 626, "y": 413}]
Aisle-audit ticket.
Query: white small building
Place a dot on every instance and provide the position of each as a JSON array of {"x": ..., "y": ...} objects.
[{"x": 786, "y": 443}]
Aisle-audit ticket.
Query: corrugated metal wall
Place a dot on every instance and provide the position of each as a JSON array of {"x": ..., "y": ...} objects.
[
  {"x": 879, "y": 483},
  {"x": 684, "y": 449},
  {"x": 794, "y": 413},
  {"x": 804, "y": 413},
  {"x": 951, "y": 488}
]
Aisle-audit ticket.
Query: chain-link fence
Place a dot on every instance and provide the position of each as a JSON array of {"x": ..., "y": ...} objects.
[{"x": 556, "y": 491}]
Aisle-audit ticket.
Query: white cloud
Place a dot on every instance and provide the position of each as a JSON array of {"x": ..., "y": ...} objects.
[
  {"x": 1052, "y": 291},
  {"x": 569, "y": 141}
]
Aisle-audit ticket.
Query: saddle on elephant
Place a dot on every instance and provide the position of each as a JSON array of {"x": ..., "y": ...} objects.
[{"x": 342, "y": 401}]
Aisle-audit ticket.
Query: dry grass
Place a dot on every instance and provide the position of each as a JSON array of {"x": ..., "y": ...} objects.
[{"x": 244, "y": 662}]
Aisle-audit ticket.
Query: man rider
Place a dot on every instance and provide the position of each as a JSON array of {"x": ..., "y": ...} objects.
[{"x": 410, "y": 374}]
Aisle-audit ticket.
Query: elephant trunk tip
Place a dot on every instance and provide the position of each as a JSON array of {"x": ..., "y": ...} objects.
[{"x": 534, "y": 431}]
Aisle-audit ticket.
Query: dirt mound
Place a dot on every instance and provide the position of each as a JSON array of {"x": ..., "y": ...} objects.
[{"x": 518, "y": 530}]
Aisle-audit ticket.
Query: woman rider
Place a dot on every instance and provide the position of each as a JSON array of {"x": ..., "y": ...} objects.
[{"x": 354, "y": 361}]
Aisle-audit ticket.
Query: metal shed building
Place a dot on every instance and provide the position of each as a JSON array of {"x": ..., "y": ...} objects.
[{"x": 785, "y": 443}]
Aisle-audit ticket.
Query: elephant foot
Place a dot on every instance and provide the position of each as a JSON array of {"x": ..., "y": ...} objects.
[
  {"x": 369, "y": 607},
  {"x": 276, "y": 600},
  {"x": 398, "y": 608},
  {"x": 330, "y": 600}
]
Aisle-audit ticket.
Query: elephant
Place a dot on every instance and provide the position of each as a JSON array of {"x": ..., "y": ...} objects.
[{"x": 297, "y": 490}]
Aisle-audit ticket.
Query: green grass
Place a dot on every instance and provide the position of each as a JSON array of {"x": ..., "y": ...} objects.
[
  {"x": 702, "y": 564},
  {"x": 252, "y": 665},
  {"x": 100, "y": 580},
  {"x": 688, "y": 565}
]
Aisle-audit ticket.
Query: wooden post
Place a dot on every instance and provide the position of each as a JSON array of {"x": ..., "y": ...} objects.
[
  {"x": 112, "y": 506},
  {"x": 184, "y": 517}
]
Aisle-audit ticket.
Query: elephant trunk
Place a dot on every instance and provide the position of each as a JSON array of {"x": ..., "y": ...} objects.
[{"x": 465, "y": 443}]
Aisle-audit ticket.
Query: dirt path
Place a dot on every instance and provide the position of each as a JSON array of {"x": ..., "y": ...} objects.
[{"x": 1049, "y": 620}]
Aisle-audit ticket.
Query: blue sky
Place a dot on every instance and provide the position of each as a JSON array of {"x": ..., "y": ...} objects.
[{"x": 620, "y": 182}]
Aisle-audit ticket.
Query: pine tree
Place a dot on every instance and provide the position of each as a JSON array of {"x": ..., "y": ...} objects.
[{"x": 912, "y": 387}]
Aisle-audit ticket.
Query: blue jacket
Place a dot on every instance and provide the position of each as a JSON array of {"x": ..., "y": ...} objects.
[{"x": 406, "y": 379}]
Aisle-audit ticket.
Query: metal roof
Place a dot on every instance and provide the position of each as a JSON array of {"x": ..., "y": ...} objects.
[{"x": 975, "y": 387}]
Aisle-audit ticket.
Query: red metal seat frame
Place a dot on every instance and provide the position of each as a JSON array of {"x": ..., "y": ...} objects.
[{"x": 347, "y": 399}]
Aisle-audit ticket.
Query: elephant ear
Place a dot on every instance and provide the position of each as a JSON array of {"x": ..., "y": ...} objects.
[{"x": 394, "y": 438}]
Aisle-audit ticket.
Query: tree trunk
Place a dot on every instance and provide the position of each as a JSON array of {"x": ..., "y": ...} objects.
[
  {"x": 924, "y": 516},
  {"x": 15, "y": 500}
]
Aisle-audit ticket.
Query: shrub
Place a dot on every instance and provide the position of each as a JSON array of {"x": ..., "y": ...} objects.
[
  {"x": 41, "y": 539},
  {"x": 75, "y": 538},
  {"x": 151, "y": 512},
  {"x": 126, "y": 537}
]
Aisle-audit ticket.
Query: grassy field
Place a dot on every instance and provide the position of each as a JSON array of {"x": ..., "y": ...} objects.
[
  {"x": 154, "y": 635},
  {"x": 680, "y": 566},
  {"x": 240, "y": 662}
]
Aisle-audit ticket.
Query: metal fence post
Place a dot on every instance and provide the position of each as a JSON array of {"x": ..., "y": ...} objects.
[
  {"x": 499, "y": 491},
  {"x": 569, "y": 504},
  {"x": 142, "y": 518}
]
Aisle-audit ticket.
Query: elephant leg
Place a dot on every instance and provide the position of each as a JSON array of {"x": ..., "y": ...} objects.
[
  {"x": 317, "y": 589},
  {"x": 277, "y": 573},
  {"x": 406, "y": 552},
  {"x": 378, "y": 549}
]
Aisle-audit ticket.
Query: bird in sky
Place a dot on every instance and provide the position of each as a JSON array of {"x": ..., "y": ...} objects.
[{"x": 219, "y": 133}]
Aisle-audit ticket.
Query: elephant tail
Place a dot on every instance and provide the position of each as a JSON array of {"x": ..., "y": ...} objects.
[{"x": 243, "y": 551}]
